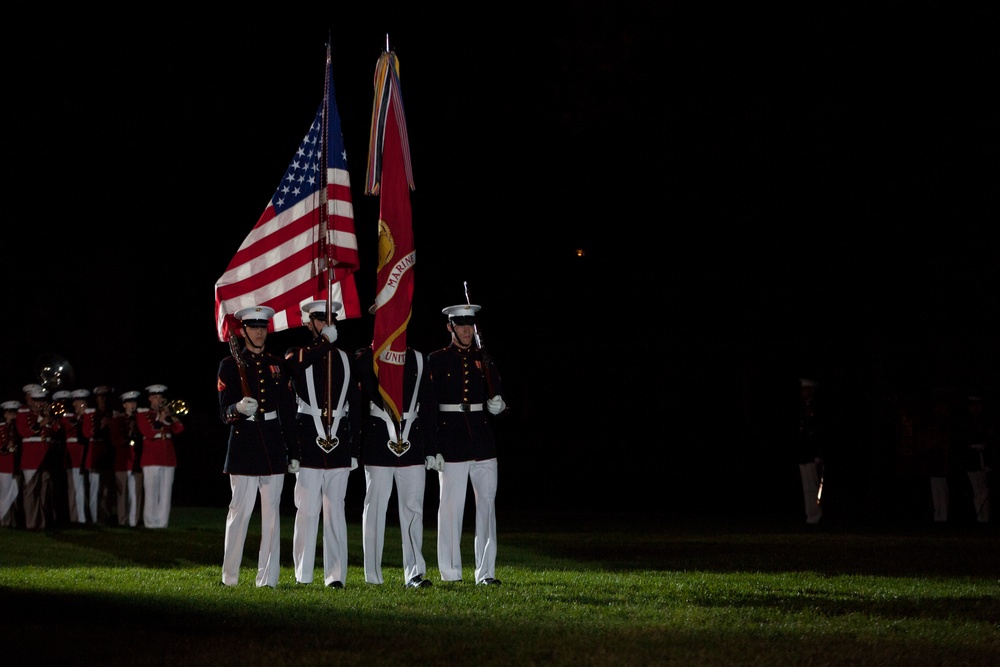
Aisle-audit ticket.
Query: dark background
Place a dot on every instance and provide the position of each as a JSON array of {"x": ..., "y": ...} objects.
[{"x": 760, "y": 195}]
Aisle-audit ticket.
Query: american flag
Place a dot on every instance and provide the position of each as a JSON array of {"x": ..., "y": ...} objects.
[{"x": 282, "y": 262}]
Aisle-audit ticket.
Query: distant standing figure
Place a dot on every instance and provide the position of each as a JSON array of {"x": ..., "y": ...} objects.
[
  {"x": 10, "y": 483},
  {"x": 976, "y": 442},
  {"x": 934, "y": 435},
  {"x": 260, "y": 412},
  {"x": 38, "y": 429},
  {"x": 158, "y": 426},
  {"x": 74, "y": 451},
  {"x": 126, "y": 440},
  {"x": 467, "y": 385},
  {"x": 809, "y": 451}
]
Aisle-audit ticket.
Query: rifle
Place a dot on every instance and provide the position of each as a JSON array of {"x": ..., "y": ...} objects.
[
  {"x": 487, "y": 360},
  {"x": 241, "y": 364}
]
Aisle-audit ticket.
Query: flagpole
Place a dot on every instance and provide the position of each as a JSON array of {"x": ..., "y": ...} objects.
[{"x": 325, "y": 226}]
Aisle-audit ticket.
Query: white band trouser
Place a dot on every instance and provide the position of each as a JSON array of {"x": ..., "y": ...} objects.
[
  {"x": 157, "y": 487},
  {"x": 8, "y": 496},
  {"x": 810, "y": 491},
  {"x": 77, "y": 495},
  {"x": 979, "y": 479},
  {"x": 128, "y": 498},
  {"x": 410, "y": 483},
  {"x": 245, "y": 489},
  {"x": 453, "y": 481},
  {"x": 317, "y": 490},
  {"x": 93, "y": 493},
  {"x": 939, "y": 498}
]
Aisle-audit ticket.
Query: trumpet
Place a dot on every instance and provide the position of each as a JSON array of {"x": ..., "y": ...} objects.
[
  {"x": 176, "y": 407},
  {"x": 56, "y": 410}
]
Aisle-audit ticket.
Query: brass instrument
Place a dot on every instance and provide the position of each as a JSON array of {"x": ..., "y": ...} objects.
[
  {"x": 9, "y": 441},
  {"x": 54, "y": 372},
  {"x": 57, "y": 409},
  {"x": 176, "y": 407}
]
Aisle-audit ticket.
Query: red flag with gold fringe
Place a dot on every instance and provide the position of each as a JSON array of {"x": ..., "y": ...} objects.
[{"x": 390, "y": 177}]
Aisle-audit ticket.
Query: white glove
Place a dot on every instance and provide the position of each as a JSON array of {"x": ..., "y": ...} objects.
[
  {"x": 439, "y": 463},
  {"x": 430, "y": 463},
  {"x": 247, "y": 406},
  {"x": 329, "y": 332},
  {"x": 496, "y": 405},
  {"x": 293, "y": 466},
  {"x": 354, "y": 463}
]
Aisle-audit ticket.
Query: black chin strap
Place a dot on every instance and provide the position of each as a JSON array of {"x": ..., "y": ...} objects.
[{"x": 249, "y": 345}]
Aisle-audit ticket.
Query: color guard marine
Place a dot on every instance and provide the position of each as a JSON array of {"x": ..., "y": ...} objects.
[{"x": 469, "y": 394}]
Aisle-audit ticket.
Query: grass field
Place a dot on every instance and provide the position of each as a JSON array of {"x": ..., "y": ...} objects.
[{"x": 576, "y": 591}]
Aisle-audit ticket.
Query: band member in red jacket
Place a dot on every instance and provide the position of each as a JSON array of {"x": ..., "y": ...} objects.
[
  {"x": 75, "y": 445},
  {"x": 38, "y": 428},
  {"x": 10, "y": 483},
  {"x": 158, "y": 426},
  {"x": 126, "y": 440}
]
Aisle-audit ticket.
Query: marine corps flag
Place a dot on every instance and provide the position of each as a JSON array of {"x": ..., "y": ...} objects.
[
  {"x": 303, "y": 247},
  {"x": 389, "y": 176}
]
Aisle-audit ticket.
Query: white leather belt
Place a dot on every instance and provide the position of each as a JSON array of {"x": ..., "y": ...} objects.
[
  {"x": 162, "y": 436},
  {"x": 268, "y": 416},
  {"x": 72, "y": 440},
  {"x": 33, "y": 439},
  {"x": 317, "y": 412},
  {"x": 460, "y": 407}
]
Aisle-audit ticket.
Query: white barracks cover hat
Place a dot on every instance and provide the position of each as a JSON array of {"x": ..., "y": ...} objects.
[
  {"x": 255, "y": 315},
  {"x": 81, "y": 393},
  {"x": 59, "y": 395},
  {"x": 130, "y": 396},
  {"x": 463, "y": 310},
  {"x": 319, "y": 307},
  {"x": 157, "y": 388}
]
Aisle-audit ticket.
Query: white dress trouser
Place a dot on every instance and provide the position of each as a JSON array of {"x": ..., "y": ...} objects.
[
  {"x": 245, "y": 489},
  {"x": 157, "y": 486},
  {"x": 317, "y": 489},
  {"x": 939, "y": 498},
  {"x": 77, "y": 505},
  {"x": 980, "y": 494},
  {"x": 453, "y": 481},
  {"x": 810, "y": 491},
  {"x": 8, "y": 496},
  {"x": 410, "y": 483},
  {"x": 93, "y": 493}
]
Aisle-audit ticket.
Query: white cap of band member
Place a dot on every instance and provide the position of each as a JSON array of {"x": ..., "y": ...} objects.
[
  {"x": 464, "y": 310},
  {"x": 39, "y": 393},
  {"x": 11, "y": 405},
  {"x": 103, "y": 389},
  {"x": 156, "y": 389},
  {"x": 60, "y": 395},
  {"x": 81, "y": 393},
  {"x": 29, "y": 388},
  {"x": 319, "y": 308},
  {"x": 130, "y": 396},
  {"x": 255, "y": 316}
]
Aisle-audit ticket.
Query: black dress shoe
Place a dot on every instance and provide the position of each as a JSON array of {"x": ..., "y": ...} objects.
[
  {"x": 418, "y": 582},
  {"x": 489, "y": 581},
  {"x": 336, "y": 584}
]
